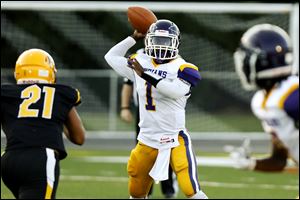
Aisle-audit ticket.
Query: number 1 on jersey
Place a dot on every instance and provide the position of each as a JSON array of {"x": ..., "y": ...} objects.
[{"x": 150, "y": 103}]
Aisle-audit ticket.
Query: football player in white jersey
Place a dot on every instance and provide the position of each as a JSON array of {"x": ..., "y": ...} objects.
[
  {"x": 264, "y": 63},
  {"x": 163, "y": 82}
]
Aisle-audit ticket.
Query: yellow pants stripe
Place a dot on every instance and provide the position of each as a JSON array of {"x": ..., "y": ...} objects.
[{"x": 48, "y": 192}]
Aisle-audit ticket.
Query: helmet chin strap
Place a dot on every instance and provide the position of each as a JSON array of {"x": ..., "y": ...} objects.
[{"x": 157, "y": 61}]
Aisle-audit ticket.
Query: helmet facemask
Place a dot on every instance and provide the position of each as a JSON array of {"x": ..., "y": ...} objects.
[
  {"x": 161, "y": 45},
  {"x": 245, "y": 68}
]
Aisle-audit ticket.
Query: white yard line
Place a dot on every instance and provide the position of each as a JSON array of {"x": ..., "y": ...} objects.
[
  {"x": 203, "y": 183},
  {"x": 201, "y": 160}
]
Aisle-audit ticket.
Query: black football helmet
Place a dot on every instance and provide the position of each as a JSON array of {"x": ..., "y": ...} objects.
[
  {"x": 263, "y": 57},
  {"x": 162, "y": 40}
]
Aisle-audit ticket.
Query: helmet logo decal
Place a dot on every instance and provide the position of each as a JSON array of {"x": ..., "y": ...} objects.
[
  {"x": 43, "y": 73},
  {"x": 162, "y": 32},
  {"x": 278, "y": 49},
  {"x": 48, "y": 61}
]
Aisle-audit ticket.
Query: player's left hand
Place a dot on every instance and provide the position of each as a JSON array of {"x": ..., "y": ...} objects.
[
  {"x": 241, "y": 156},
  {"x": 241, "y": 161},
  {"x": 135, "y": 65}
]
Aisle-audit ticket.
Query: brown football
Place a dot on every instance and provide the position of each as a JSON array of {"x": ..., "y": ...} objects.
[{"x": 140, "y": 18}]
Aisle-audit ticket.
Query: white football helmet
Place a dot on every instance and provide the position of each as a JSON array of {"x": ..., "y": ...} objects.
[{"x": 162, "y": 40}]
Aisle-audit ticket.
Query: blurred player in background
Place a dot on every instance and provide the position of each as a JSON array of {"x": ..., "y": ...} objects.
[
  {"x": 33, "y": 114},
  {"x": 169, "y": 186},
  {"x": 126, "y": 97},
  {"x": 163, "y": 82},
  {"x": 264, "y": 63}
]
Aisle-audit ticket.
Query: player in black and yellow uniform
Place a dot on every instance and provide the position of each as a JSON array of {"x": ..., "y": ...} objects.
[{"x": 34, "y": 113}]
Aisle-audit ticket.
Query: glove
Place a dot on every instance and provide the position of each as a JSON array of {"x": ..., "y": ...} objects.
[{"x": 241, "y": 156}]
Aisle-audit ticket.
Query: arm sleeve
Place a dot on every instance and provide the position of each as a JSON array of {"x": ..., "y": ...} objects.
[
  {"x": 174, "y": 89},
  {"x": 115, "y": 57},
  {"x": 188, "y": 76}
]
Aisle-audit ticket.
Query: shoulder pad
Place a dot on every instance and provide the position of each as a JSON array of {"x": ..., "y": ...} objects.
[{"x": 189, "y": 73}]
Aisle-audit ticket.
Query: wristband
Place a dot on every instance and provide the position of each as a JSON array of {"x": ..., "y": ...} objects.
[
  {"x": 125, "y": 108},
  {"x": 135, "y": 38},
  {"x": 153, "y": 81}
]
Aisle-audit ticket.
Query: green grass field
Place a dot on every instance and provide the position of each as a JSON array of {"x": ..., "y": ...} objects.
[
  {"x": 81, "y": 179},
  {"x": 195, "y": 122}
]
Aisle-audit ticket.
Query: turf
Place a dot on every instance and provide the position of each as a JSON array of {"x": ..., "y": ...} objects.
[
  {"x": 195, "y": 122},
  {"x": 81, "y": 179}
]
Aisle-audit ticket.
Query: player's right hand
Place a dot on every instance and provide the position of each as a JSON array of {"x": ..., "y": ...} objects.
[
  {"x": 126, "y": 115},
  {"x": 137, "y": 35}
]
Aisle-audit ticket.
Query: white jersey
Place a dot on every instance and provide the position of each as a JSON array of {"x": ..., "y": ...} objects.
[
  {"x": 270, "y": 109},
  {"x": 161, "y": 117},
  {"x": 162, "y": 109}
]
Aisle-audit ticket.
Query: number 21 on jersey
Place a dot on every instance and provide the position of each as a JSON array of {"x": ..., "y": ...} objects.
[{"x": 32, "y": 95}]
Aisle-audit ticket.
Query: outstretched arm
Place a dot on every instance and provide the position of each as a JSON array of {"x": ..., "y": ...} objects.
[
  {"x": 115, "y": 57},
  {"x": 276, "y": 162}
]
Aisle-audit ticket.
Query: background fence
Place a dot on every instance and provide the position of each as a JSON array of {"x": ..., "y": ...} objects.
[{"x": 78, "y": 34}]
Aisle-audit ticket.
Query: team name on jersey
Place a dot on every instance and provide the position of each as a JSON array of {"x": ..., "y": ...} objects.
[
  {"x": 272, "y": 122},
  {"x": 161, "y": 73}
]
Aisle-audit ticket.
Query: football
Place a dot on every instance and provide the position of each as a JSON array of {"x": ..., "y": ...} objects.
[{"x": 140, "y": 18}]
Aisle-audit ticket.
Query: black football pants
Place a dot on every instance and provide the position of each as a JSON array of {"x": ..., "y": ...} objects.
[{"x": 30, "y": 173}]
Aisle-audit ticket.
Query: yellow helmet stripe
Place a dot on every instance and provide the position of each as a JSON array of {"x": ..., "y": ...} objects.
[
  {"x": 187, "y": 65},
  {"x": 266, "y": 98},
  {"x": 285, "y": 96}
]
